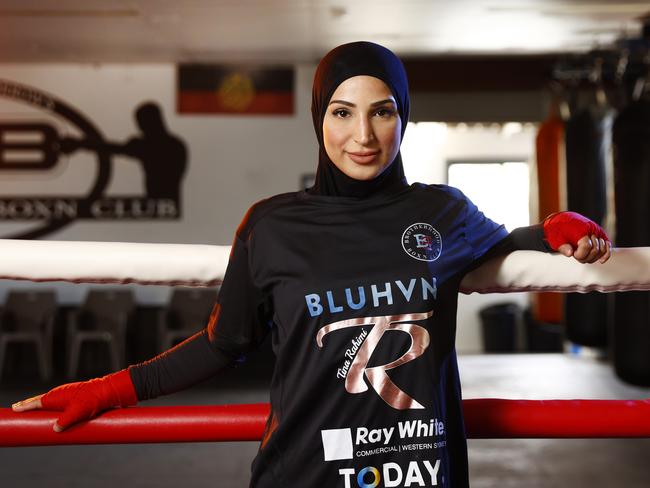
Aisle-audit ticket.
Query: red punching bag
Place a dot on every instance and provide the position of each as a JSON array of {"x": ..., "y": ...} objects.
[{"x": 549, "y": 146}]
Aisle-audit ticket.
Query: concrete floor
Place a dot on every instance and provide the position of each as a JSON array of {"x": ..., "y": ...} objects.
[
  {"x": 574, "y": 463},
  {"x": 544, "y": 463}
]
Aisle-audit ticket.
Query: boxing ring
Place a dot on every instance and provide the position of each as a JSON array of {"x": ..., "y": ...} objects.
[{"x": 204, "y": 265}]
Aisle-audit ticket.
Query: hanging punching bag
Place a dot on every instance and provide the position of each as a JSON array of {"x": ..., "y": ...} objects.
[
  {"x": 631, "y": 327},
  {"x": 549, "y": 147},
  {"x": 588, "y": 144}
]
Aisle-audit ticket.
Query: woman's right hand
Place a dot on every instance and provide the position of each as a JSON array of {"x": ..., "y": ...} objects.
[{"x": 83, "y": 400}]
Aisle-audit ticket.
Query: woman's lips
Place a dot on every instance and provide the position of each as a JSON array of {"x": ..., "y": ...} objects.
[{"x": 364, "y": 157}]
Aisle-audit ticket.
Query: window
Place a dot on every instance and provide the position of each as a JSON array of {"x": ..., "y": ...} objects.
[{"x": 498, "y": 188}]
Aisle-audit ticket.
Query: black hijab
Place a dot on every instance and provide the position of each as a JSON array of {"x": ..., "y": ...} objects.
[{"x": 341, "y": 63}]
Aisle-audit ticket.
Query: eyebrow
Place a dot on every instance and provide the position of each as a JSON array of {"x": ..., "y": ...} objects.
[{"x": 373, "y": 104}]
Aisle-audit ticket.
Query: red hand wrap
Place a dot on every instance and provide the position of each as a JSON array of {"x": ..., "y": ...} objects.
[
  {"x": 568, "y": 228},
  {"x": 84, "y": 400}
]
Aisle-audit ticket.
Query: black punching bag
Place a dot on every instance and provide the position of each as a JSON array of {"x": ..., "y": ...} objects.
[
  {"x": 631, "y": 327},
  {"x": 588, "y": 143}
]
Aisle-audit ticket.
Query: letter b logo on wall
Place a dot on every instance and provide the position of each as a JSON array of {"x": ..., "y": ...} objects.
[{"x": 45, "y": 138}]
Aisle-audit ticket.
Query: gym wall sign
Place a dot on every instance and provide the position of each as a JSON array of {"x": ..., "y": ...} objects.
[{"x": 31, "y": 143}]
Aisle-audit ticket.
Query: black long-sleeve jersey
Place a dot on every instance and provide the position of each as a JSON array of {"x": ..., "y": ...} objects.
[{"x": 360, "y": 297}]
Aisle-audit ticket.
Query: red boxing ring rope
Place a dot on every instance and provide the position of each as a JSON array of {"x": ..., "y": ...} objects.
[{"x": 484, "y": 419}]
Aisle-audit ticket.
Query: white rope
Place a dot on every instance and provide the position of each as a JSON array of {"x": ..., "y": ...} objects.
[
  {"x": 205, "y": 265},
  {"x": 113, "y": 262},
  {"x": 628, "y": 269}
]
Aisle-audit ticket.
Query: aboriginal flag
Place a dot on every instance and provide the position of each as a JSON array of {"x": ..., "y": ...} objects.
[{"x": 219, "y": 89}]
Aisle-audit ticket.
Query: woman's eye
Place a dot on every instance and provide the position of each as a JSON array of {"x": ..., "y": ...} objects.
[
  {"x": 384, "y": 112},
  {"x": 340, "y": 112}
]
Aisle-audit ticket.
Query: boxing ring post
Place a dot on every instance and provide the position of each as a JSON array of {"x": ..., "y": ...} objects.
[{"x": 193, "y": 265}]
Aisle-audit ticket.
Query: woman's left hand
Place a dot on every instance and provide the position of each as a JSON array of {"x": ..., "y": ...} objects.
[{"x": 571, "y": 234}]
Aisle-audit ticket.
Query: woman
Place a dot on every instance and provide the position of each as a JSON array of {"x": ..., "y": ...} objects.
[{"x": 357, "y": 280}]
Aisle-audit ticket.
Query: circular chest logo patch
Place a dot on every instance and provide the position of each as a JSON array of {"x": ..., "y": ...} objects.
[{"x": 421, "y": 241}]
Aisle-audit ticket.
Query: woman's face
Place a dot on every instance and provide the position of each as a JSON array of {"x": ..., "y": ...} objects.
[{"x": 362, "y": 128}]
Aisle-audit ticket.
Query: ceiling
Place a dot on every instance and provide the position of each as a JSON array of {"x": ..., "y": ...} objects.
[{"x": 302, "y": 30}]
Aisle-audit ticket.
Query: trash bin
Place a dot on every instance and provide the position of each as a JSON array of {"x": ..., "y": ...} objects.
[{"x": 499, "y": 326}]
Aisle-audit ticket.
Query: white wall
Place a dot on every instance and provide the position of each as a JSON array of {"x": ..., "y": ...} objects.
[{"x": 234, "y": 160}]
